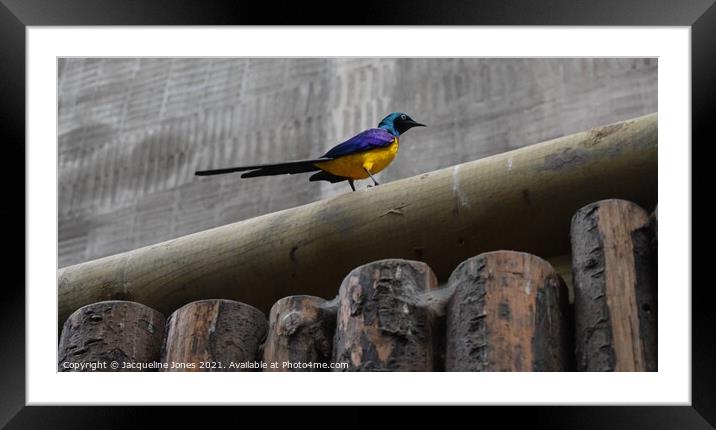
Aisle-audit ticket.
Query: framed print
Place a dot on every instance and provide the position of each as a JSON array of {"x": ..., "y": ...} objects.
[{"x": 166, "y": 113}]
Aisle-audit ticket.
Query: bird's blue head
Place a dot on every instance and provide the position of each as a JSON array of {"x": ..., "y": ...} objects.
[{"x": 397, "y": 123}]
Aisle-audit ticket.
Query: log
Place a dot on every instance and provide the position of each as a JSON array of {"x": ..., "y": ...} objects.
[
  {"x": 111, "y": 336},
  {"x": 383, "y": 321},
  {"x": 300, "y": 335},
  {"x": 508, "y": 313},
  {"x": 214, "y": 336},
  {"x": 614, "y": 288},
  {"x": 441, "y": 218}
]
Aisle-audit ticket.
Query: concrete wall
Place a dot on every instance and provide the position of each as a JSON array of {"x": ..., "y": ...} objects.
[{"x": 133, "y": 131}]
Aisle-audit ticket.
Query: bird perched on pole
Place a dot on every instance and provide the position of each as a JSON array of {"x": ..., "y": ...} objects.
[{"x": 359, "y": 157}]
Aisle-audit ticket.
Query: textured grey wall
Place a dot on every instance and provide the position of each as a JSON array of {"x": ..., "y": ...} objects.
[{"x": 133, "y": 131}]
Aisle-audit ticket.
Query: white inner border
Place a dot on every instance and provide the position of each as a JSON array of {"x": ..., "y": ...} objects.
[{"x": 671, "y": 385}]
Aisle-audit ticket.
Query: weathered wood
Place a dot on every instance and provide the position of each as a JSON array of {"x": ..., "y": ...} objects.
[
  {"x": 214, "y": 336},
  {"x": 615, "y": 288},
  {"x": 562, "y": 264},
  {"x": 300, "y": 336},
  {"x": 112, "y": 336},
  {"x": 441, "y": 217},
  {"x": 508, "y": 312},
  {"x": 383, "y": 321}
]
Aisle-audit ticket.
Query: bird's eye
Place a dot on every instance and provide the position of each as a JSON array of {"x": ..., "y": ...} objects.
[{"x": 403, "y": 116}]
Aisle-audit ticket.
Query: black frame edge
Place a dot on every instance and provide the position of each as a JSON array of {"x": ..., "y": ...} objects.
[{"x": 12, "y": 120}]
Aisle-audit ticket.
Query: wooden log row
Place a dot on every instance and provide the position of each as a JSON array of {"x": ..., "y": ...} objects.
[
  {"x": 508, "y": 312},
  {"x": 505, "y": 311},
  {"x": 385, "y": 323},
  {"x": 207, "y": 335}
]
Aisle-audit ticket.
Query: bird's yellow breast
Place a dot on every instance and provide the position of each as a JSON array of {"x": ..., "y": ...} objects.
[{"x": 353, "y": 166}]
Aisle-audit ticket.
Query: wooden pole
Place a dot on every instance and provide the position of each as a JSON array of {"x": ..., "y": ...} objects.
[
  {"x": 508, "y": 312},
  {"x": 614, "y": 288},
  {"x": 442, "y": 218},
  {"x": 300, "y": 335},
  {"x": 214, "y": 336},
  {"x": 383, "y": 321},
  {"x": 112, "y": 336}
]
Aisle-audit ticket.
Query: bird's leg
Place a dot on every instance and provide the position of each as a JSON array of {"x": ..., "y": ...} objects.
[
  {"x": 371, "y": 176},
  {"x": 350, "y": 181}
]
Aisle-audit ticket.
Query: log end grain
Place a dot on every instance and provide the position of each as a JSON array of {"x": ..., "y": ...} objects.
[
  {"x": 383, "y": 322},
  {"x": 111, "y": 331},
  {"x": 300, "y": 332},
  {"x": 214, "y": 335},
  {"x": 508, "y": 312}
]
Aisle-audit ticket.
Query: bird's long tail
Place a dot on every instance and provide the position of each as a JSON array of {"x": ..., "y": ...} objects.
[{"x": 287, "y": 168}]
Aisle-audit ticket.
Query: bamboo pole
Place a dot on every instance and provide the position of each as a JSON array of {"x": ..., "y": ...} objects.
[{"x": 521, "y": 199}]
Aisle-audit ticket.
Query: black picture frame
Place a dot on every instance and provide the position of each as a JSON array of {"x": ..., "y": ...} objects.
[{"x": 16, "y": 15}]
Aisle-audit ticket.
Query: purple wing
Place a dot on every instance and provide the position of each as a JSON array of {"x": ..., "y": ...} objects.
[{"x": 369, "y": 139}]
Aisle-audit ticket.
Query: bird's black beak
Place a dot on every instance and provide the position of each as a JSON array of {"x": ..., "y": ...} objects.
[{"x": 406, "y": 124}]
